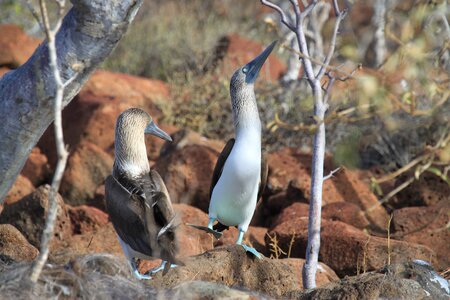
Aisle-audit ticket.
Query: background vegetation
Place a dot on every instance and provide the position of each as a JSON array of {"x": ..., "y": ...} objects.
[{"x": 387, "y": 117}]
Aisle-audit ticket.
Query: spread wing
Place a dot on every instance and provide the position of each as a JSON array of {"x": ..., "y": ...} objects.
[
  {"x": 126, "y": 210},
  {"x": 218, "y": 169}
]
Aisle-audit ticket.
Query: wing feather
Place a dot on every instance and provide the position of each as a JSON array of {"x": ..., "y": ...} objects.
[{"x": 218, "y": 169}]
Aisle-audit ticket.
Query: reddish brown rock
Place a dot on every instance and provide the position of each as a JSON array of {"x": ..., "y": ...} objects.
[
  {"x": 99, "y": 198},
  {"x": 36, "y": 168},
  {"x": 290, "y": 171},
  {"x": 101, "y": 240},
  {"x": 355, "y": 191},
  {"x": 294, "y": 211},
  {"x": 15, "y": 46},
  {"x": 346, "y": 212},
  {"x": 87, "y": 168},
  {"x": 29, "y": 214},
  {"x": 86, "y": 218},
  {"x": 290, "y": 181},
  {"x": 347, "y": 249},
  {"x": 234, "y": 51},
  {"x": 427, "y": 226},
  {"x": 14, "y": 246},
  {"x": 254, "y": 237},
  {"x": 3, "y": 71},
  {"x": 186, "y": 168},
  {"x": 232, "y": 266},
  {"x": 22, "y": 187},
  {"x": 192, "y": 241},
  {"x": 95, "y": 109},
  {"x": 428, "y": 190}
]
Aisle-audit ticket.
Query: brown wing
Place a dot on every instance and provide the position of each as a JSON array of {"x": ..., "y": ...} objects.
[
  {"x": 165, "y": 218},
  {"x": 127, "y": 216},
  {"x": 218, "y": 169},
  {"x": 264, "y": 174}
]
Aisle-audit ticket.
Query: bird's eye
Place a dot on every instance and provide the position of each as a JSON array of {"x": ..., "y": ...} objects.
[{"x": 244, "y": 70}]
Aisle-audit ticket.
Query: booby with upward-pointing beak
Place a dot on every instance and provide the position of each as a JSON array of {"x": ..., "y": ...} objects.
[
  {"x": 240, "y": 173},
  {"x": 136, "y": 197}
]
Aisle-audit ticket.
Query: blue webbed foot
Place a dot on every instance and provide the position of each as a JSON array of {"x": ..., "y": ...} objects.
[
  {"x": 141, "y": 276},
  {"x": 252, "y": 251},
  {"x": 161, "y": 267},
  {"x": 136, "y": 273},
  {"x": 247, "y": 248}
]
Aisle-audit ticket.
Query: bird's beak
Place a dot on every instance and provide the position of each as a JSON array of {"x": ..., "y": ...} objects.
[
  {"x": 255, "y": 65},
  {"x": 155, "y": 130}
]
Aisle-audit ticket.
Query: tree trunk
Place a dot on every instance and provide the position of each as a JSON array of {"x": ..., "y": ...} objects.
[{"x": 90, "y": 31}]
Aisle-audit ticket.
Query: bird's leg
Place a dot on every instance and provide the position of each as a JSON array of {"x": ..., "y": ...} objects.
[
  {"x": 211, "y": 223},
  {"x": 135, "y": 271},
  {"x": 247, "y": 248}
]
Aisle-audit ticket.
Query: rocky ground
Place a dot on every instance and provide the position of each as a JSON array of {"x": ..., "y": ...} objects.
[{"x": 355, "y": 229}]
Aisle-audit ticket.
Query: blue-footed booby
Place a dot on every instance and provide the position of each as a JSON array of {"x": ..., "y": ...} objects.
[
  {"x": 136, "y": 197},
  {"x": 240, "y": 173}
]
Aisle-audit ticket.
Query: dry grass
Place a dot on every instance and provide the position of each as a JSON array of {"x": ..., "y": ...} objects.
[{"x": 276, "y": 252}]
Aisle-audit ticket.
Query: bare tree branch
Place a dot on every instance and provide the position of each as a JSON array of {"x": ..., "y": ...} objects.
[
  {"x": 331, "y": 174},
  {"x": 339, "y": 17},
  {"x": 283, "y": 16},
  {"x": 60, "y": 148},
  {"x": 320, "y": 108},
  {"x": 88, "y": 34}
]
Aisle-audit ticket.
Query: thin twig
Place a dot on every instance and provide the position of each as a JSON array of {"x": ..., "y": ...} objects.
[
  {"x": 283, "y": 16},
  {"x": 61, "y": 150},
  {"x": 339, "y": 17},
  {"x": 331, "y": 173}
]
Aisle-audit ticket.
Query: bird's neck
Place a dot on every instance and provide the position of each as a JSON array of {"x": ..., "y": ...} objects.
[
  {"x": 130, "y": 154},
  {"x": 246, "y": 117}
]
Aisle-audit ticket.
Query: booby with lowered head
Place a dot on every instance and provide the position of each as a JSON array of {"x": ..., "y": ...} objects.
[
  {"x": 240, "y": 173},
  {"x": 137, "y": 200}
]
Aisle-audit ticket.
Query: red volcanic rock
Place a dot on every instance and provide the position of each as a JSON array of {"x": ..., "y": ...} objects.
[
  {"x": 36, "y": 168},
  {"x": 294, "y": 211},
  {"x": 186, "y": 166},
  {"x": 427, "y": 190},
  {"x": 14, "y": 246},
  {"x": 234, "y": 51},
  {"x": 29, "y": 214},
  {"x": 427, "y": 226},
  {"x": 92, "y": 114},
  {"x": 3, "y": 71},
  {"x": 15, "y": 46},
  {"x": 101, "y": 240},
  {"x": 355, "y": 191},
  {"x": 346, "y": 212},
  {"x": 21, "y": 188},
  {"x": 290, "y": 181},
  {"x": 87, "y": 168},
  {"x": 86, "y": 218},
  {"x": 291, "y": 171},
  {"x": 345, "y": 248},
  {"x": 232, "y": 266},
  {"x": 192, "y": 241}
]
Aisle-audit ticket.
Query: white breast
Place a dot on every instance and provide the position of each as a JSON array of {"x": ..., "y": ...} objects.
[{"x": 233, "y": 199}]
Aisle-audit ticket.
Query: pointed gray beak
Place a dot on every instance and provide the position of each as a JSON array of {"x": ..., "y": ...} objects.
[
  {"x": 156, "y": 131},
  {"x": 255, "y": 65}
]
